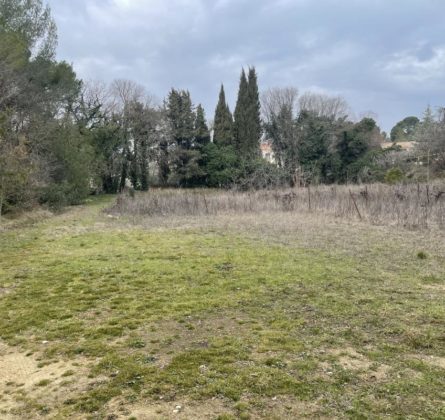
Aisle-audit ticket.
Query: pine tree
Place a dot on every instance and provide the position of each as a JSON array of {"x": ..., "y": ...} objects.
[
  {"x": 223, "y": 123},
  {"x": 202, "y": 134}
]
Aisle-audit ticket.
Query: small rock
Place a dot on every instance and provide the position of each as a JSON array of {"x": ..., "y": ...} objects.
[
  {"x": 274, "y": 398},
  {"x": 178, "y": 407},
  {"x": 114, "y": 374},
  {"x": 45, "y": 342}
]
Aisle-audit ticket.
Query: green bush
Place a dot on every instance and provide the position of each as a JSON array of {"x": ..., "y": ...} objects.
[{"x": 394, "y": 176}]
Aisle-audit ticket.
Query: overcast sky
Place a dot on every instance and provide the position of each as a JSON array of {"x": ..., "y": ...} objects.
[{"x": 385, "y": 56}]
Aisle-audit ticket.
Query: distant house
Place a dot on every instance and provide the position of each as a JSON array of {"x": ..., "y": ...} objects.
[
  {"x": 267, "y": 152},
  {"x": 406, "y": 146}
]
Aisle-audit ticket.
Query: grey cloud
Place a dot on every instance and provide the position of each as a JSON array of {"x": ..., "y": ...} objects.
[{"x": 388, "y": 57}]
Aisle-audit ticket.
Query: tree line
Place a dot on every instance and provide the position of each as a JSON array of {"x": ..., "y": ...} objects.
[{"x": 62, "y": 139}]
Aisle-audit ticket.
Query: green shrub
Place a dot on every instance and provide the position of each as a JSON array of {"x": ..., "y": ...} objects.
[{"x": 394, "y": 176}]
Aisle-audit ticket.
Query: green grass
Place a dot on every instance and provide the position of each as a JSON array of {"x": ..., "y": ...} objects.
[{"x": 199, "y": 314}]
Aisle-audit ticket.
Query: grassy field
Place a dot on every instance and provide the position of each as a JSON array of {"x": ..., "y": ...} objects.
[{"x": 270, "y": 315}]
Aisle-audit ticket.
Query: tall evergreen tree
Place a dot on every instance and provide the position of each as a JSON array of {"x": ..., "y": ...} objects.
[
  {"x": 240, "y": 126},
  {"x": 354, "y": 144},
  {"x": 163, "y": 162},
  {"x": 253, "y": 114},
  {"x": 247, "y": 126},
  {"x": 182, "y": 118},
  {"x": 223, "y": 123},
  {"x": 186, "y": 160},
  {"x": 202, "y": 134}
]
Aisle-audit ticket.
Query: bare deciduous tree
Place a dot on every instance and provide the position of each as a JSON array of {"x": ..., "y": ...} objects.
[
  {"x": 273, "y": 100},
  {"x": 323, "y": 105},
  {"x": 124, "y": 92}
]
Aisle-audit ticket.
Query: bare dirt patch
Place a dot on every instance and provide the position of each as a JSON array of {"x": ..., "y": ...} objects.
[
  {"x": 26, "y": 384},
  {"x": 279, "y": 407},
  {"x": 435, "y": 287},
  {"x": 151, "y": 410},
  {"x": 351, "y": 360},
  {"x": 434, "y": 361}
]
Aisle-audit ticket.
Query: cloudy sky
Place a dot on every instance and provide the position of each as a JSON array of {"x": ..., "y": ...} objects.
[{"x": 385, "y": 56}]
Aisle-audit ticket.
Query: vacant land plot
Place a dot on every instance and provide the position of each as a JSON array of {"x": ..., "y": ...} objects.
[{"x": 271, "y": 315}]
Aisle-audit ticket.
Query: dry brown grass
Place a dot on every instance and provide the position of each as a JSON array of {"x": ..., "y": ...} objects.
[{"x": 411, "y": 206}]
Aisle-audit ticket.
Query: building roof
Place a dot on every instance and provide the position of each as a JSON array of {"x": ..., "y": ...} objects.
[{"x": 266, "y": 147}]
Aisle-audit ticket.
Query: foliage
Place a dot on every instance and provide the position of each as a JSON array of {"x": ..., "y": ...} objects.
[
  {"x": 223, "y": 122},
  {"x": 186, "y": 168},
  {"x": 189, "y": 134},
  {"x": 394, "y": 176},
  {"x": 404, "y": 130},
  {"x": 181, "y": 116},
  {"x": 71, "y": 156},
  {"x": 41, "y": 147},
  {"x": 259, "y": 174},
  {"x": 354, "y": 147},
  {"x": 430, "y": 138},
  {"x": 247, "y": 123},
  {"x": 221, "y": 165},
  {"x": 33, "y": 21},
  {"x": 320, "y": 149},
  {"x": 202, "y": 133}
]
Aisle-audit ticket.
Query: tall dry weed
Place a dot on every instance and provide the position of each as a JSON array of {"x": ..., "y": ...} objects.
[{"x": 412, "y": 205}]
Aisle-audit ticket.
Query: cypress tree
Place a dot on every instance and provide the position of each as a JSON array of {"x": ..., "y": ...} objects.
[
  {"x": 223, "y": 123},
  {"x": 240, "y": 126},
  {"x": 253, "y": 114},
  {"x": 247, "y": 125},
  {"x": 202, "y": 134}
]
